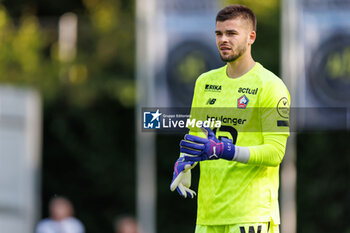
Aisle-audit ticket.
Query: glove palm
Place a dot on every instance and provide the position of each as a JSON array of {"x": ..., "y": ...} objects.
[{"x": 182, "y": 177}]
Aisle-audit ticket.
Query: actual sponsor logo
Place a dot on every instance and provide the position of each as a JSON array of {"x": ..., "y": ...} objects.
[
  {"x": 211, "y": 101},
  {"x": 283, "y": 107},
  {"x": 242, "y": 102},
  {"x": 213, "y": 88},
  {"x": 247, "y": 90}
]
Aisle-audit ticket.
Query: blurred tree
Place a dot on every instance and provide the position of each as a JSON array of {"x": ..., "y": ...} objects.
[
  {"x": 88, "y": 114},
  {"x": 21, "y": 58},
  {"x": 104, "y": 62},
  {"x": 42, "y": 8}
]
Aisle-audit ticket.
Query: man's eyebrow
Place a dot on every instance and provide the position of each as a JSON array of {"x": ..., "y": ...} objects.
[{"x": 231, "y": 30}]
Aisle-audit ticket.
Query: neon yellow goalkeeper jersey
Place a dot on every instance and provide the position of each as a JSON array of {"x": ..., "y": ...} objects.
[{"x": 254, "y": 112}]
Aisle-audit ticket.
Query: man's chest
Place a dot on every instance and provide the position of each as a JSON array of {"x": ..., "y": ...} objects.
[{"x": 229, "y": 95}]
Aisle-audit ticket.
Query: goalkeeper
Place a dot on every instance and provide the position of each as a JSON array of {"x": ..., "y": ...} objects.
[{"x": 239, "y": 162}]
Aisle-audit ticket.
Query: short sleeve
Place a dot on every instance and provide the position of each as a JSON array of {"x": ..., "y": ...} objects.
[{"x": 275, "y": 108}]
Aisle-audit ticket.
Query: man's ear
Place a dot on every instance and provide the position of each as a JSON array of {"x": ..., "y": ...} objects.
[{"x": 252, "y": 37}]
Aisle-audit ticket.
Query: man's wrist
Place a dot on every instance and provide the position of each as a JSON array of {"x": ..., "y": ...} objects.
[
  {"x": 242, "y": 154},
  {"x": 232, "y": 152},
  {"x": 229, "y": 149}
]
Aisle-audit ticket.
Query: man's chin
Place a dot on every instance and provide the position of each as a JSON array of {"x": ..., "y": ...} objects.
[{"x": 228, "y": 58}]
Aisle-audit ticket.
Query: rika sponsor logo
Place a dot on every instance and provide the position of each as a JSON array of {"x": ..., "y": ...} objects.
[
  {"x": 245, "y": 90},
  {"x": 242, "y": 102},
  {"x": 211, "y": 101},
  {"x": 213, "y": 88}
]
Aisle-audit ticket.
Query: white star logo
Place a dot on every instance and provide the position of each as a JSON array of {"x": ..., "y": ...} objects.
[{"x": 156, "y": 115}]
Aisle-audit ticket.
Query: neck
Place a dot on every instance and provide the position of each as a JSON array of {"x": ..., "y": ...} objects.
[{"x": 240, "y": 66}]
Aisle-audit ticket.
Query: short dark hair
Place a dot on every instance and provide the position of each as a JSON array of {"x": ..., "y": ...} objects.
[{"x": 234, "y": 11}]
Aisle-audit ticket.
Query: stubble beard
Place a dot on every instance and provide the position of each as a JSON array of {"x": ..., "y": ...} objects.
[{"x": 237, "y": 53}]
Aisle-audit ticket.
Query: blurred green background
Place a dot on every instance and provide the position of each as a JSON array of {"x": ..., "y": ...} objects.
[{"x": 89, "y": 116}]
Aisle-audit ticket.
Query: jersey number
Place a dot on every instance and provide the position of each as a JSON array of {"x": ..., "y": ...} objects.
[{"x": 229, "y": 129}]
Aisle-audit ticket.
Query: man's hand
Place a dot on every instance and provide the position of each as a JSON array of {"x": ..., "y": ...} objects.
[
  {"x": 182, "y": 177},
  {"x": 200, "y": 149}
]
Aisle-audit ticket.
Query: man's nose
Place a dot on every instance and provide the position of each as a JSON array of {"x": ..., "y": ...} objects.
[{"x": 223, "y": 38}]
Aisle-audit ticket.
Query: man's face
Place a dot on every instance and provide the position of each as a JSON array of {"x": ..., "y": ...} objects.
[
  {"x": 60, "y": 209},
  {"x": 233, "y": 37}
]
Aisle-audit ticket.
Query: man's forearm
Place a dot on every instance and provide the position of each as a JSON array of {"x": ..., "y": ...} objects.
[{"x": 270, "y": 153}]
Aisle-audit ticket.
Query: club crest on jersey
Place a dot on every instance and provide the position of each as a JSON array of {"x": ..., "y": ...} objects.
[{"x": 242, "y": 102}]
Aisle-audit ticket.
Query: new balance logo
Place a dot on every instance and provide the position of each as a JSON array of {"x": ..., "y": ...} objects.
[{"x": 211, "y": 101}]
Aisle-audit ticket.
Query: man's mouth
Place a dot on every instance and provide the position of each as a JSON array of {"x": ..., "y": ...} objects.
[{"x": 225, "y": 48}]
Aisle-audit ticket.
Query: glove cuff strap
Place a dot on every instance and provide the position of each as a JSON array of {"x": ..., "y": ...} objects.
[{"x": 229, "y": 149}]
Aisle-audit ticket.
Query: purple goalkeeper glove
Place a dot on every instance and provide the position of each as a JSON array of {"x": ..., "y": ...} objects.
[
  {"x": 182, "y": 177},
  {"x": 200, "y": 149}
]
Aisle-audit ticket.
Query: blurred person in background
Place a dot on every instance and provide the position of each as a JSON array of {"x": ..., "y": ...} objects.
[
  {"x": 61, "y": 218},
  {"x": 126, "y": 224}
]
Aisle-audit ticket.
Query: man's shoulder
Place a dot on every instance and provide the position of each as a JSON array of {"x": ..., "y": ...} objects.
[
  {"x": 44, "y": 225},
  {"x": 73, "y": 220},
  {"x": 45, "y": 221},
  {"x": 48, "y": 223},
  {"x": 267, "y": 77},
  {"x": 212, "y": 74}
]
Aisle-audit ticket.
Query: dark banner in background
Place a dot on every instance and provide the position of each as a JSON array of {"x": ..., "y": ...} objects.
[
  {"x": 325, "y": 35},
  {"x": 179, "y": 120}
]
